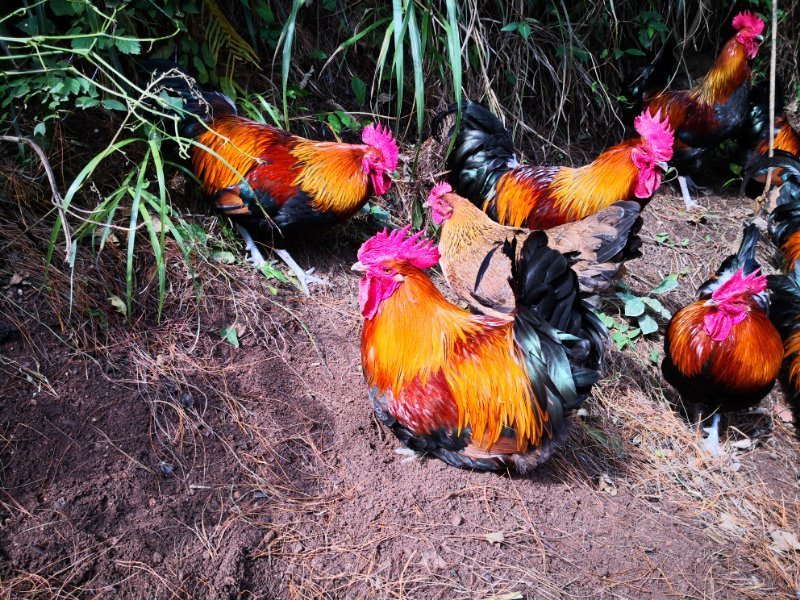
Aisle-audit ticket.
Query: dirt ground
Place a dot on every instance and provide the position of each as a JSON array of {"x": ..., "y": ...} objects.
[{"x": 164, "y": 462}]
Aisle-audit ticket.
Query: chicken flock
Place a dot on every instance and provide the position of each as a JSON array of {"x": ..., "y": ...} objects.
[{"x": 530, "y": 251}]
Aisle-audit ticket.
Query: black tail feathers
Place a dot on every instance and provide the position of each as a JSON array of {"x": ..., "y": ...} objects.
[
  {"x": 166, "y": 75},
  {"x": 483, "y": 151}
]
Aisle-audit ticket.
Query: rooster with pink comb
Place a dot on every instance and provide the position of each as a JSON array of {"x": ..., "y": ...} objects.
[
  {"x": 272, "y": 184},
  {"x": 716, "y": 107},
  {"x": 722, "y": 353},
  {"x": 477, "y": 391},
  {"x": 483, "y": 168}
]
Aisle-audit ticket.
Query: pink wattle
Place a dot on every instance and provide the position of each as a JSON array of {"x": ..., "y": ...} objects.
[
  {"x": 750, "y": 44},
  {"x": 381, "y": 182},
  {"x": 648, "y": 182},
  {"x": 372, "y": 291},
  {"x": 438, "y": 217},
  {"x": 719, "y": 320}
]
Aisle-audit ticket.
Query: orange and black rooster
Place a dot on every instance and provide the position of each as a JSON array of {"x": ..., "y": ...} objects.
[
  {"x": 476, "y": 391},
  {"x": 484, "y": 169},
  {"x": 469, "y": 244},
  {"x": 784, "y": 312},
  {"x": 784, "y": 221},
  {"x": 754, "y": 135},
  {"x": 715, "y": 108},
  {"x": 722, "y": 353},
  {"x": 271, "y": 182}
]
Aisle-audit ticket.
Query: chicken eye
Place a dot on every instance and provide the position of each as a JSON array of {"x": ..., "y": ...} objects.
[{"x": 386, "y": 270}]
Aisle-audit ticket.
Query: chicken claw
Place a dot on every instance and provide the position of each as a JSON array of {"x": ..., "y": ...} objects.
[
  {"x": 303, "y": 277},
  {"x": 687, "y": 198},
  {"x": 407, "y": 453},
  {"x": 711, "y": 443}
]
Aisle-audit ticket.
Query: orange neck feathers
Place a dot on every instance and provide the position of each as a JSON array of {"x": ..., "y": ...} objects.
[
  {"x": 726, "y": 75},
  {"x": 580, "y": 192},
  {"x": 417, "y": 334},
  {"x": 332, "y": 174}
]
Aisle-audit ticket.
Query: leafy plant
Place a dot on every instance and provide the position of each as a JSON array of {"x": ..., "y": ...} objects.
[{"x": 641, "y": 310}]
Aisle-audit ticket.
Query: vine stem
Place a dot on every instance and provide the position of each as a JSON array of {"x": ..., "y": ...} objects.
[{"x": 58, "y": 199}]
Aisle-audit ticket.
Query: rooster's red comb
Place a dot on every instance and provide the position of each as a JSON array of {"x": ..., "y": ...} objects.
[
  {"x": 393, "y": 245},
  {"x": 439, "y": 190},
  {"x": 657, "y": 133},
  {"x": 739, "y": 285},
  {"x": 380, "y": 138},
  {"x": 748, "y": 20}
]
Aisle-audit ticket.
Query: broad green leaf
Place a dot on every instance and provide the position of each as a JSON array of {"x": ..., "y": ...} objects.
[
  {"x": 670, "y": 282},
  {"x": 647, "y": 324},
  {"x": 634, "y": 307},
  {"x": 657, "y": 307},
  {"x": 229, "y": 335}
]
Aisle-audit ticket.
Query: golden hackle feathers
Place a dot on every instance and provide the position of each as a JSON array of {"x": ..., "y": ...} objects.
[
  {"x": 333, "y": 175},
  {"x": 418, "y": 334}
]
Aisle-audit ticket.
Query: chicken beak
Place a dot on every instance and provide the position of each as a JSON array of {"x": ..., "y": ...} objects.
[
  {"x": 664, "y": 166},
  {"x": 759, "y": 38},
  {"x": 359, "y": 267}
]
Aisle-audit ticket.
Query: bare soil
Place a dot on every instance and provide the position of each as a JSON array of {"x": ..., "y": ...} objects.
[{"x": 165, "y": 462}]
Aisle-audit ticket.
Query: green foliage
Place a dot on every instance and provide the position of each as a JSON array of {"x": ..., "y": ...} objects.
[{"x": 642, "y": 311}]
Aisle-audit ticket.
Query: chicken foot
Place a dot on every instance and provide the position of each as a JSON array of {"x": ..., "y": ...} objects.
[
  {"x": 257, "y": 260},
  {"x": 711, "y": 443},
  {"x": 304, "y": 277},
  {"x": 687, "y": 198}
]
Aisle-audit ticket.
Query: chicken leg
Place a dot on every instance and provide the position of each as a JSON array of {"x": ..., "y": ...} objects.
[
  {"x": 257, "y": 260},
  {"x": 687, "y": 198},
  {"x": 711, "y": 443}
]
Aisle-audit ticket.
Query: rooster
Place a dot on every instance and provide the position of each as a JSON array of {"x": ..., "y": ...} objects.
[
  {"x": 785, "y": 315},
  {"x": 722, "y": 353},
  {"x": 484, "y": 169},
  {"x": 784, "y": 221},
  {"x": 597, "y": 246},
  {"x": 476, "y": 391},
  {"x": 715, "y": 108},
  {"x": 270, "y": 182}
]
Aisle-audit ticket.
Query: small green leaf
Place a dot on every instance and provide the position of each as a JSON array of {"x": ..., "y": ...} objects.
[
  {"x": 127, "y": 45},
  {"x": 634, "y": 307},
  {"x": 657, "y": 307},
  {"x": 647, "y": 324},
  {"x": 359, "y": 89},
  {"x": 655, "y": 356},
  {"x": 620, "y": 340},
  {"x": 224, "y": 257},
  {"x": 119, "y": 305},
  {"x": 662, "y": 238},
  {"x": 40, "y": 129},
  {"x": 605, "y": 319},
  {"x": 229, "y": 335},
  {"x": 735, "y": 169},
  {"x": 670, "y": 282},
  {"x": 112, "y": 104},
  {"x": 85, "y": 102}
]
